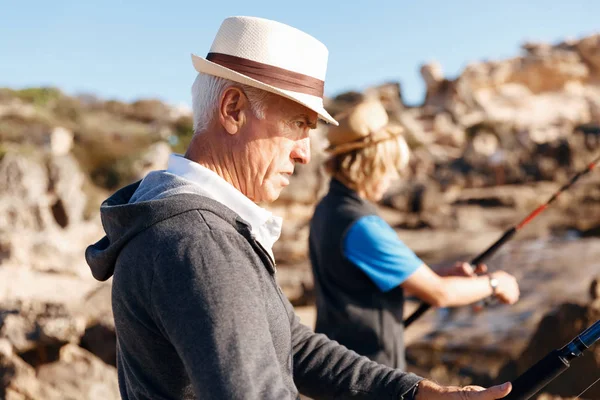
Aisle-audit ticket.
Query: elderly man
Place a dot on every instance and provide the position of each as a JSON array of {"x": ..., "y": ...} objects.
[{"x": 197, "y": 309}]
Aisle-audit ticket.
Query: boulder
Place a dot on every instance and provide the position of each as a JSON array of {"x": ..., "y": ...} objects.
[
  {"x": 37, "y": 326},
  {"x": 79, "y": 375},
  {"x": 99, "y": 337},
  {"x": 18, "y": 379},
  {"x": 565, "y": 323}
]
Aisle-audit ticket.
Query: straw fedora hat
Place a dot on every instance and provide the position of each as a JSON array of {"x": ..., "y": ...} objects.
[
  {"x": 270, "y": 56},
  {"x": 363, "y": 125}
]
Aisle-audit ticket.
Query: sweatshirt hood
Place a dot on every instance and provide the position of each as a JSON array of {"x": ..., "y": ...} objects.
[{"x": 136, "y": 207}]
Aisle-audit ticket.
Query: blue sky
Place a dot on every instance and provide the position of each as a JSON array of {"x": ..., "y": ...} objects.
[{"x": 141, "y": 49}]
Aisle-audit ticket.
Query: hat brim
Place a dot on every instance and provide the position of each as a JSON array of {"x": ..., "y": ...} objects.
[
  {"x": 311, "y": 102},
  {"x": 388, "y": 132}
]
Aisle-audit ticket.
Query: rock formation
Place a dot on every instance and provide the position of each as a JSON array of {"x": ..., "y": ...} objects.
[{"x": 487, "y": 147}]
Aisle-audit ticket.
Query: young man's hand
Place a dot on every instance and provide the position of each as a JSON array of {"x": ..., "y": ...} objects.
[
  {"x": 508, "y": 288},
  {"x": 462, "y": 269}
]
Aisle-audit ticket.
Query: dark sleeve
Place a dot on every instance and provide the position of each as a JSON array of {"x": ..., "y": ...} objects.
[
  {"x": 324, "y": 369},
  {"x": 208, "y": 301}
]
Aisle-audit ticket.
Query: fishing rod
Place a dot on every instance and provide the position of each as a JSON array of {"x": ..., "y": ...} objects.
[
  {"x": 490, "y": 251},
  {"x": 555, "y": 363}
]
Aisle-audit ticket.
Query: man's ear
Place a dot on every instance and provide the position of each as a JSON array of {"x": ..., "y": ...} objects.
[{"x": 233, "y": 106}]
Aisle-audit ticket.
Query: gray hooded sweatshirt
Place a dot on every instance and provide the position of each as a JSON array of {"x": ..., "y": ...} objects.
[{"x": 198, "y": 312}]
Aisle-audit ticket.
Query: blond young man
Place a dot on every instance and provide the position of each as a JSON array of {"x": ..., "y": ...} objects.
[{"x": 362, "y": 269}]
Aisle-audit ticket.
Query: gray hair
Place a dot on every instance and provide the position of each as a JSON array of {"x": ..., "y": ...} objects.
[{"x": 206, "y": 92}]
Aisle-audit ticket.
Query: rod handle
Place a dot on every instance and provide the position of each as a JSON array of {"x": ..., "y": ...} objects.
[{"x": 538, "y": 376}]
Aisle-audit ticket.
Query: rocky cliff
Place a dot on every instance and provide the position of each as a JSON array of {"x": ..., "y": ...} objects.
[{"x": 487, "y": 147}]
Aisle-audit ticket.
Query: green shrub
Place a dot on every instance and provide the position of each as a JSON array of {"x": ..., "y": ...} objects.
[
  {"x": 148, "y": 111},
  {"x": 6, "y": 94},
  {"x": 117, "y": 108},
  {"x": 39, "y": 96},
  {"x": 184, "y": 131},
  {"x": 116, "y": 173},
  {"x": 68, "y": 108}
]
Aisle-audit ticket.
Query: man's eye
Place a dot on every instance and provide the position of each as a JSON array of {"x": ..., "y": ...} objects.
[{"x": 300, "y": 124}]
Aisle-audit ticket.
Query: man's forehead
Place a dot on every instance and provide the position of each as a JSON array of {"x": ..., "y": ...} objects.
[{"x": 293, "y": 109}]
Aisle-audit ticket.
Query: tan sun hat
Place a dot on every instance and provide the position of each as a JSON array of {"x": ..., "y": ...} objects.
[
  {"x": 365, "y": 124},
  {"x": 270, "y": 56}
]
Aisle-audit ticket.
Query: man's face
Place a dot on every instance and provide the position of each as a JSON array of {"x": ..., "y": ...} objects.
[{"x": 274, "y": 145}]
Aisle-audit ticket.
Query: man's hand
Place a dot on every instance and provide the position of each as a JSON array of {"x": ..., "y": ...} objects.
[
  {"x": 431, "y": 391},
  {"x": 462, "y": 269},
  {"x": 508, "y": 288}
]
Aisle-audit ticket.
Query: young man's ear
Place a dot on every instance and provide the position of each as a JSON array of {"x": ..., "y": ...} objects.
[{"x": 232, "y": 109}]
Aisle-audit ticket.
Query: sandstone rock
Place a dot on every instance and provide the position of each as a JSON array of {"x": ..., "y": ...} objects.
[
  {"x": 24, "y": 203},
  {"x": 292, "y": 248},
  {"x": 14, "y": 329},
  {"x": 96, "y": 306},
  {"x": 35, "y": 325},
  {"x": 448, "y": 133},
  {"x": 542, "y": 69},
  {"x": 441, "y": 94},
  {"x": 23, "y": 284},
  {"x": 79, "y": 375},
  {"x": 545, "y": 90},
  {"x": 546, "y": 396},
  {"x": 557, "y": 108},
  {"x": 416, "y": 134},
  {"x": 296, "y": 282},
  {"x": 595, "y": 289},
  {"x": 568, "y": 321},
  {"x": 42, "y": 223},
  {"x": 475, "y": 142},
  {"x": 156, "y": 157},
  {"x": 18, "y": 380},
  {"x": 61, "y": 141},
  {"x": 485, "y": 144},
  {"x": 549, "y": 70},
  {"x": 432, "y": 74},
  {"x": 390, "y": 95},
  {"x": 99, "y": 337},
  {"x": 65, "y": 187},
  {"x": 148, "y": 110},
  {"x": 292, "y": 245},
  {"x": 342, "y": 102},
  {"x": 6, "y": 348},
  {"x": 589, "y": 50},
  {"x": 40, "y": 193},
  {"x": 592, "y": 96},
  {"x": 15, "y": 107}
]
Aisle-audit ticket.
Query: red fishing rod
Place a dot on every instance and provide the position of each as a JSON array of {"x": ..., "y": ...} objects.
[{"x": 490, "y": 251}]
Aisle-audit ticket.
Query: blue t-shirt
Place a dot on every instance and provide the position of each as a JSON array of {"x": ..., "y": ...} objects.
[{"x": 373, "y": 246}]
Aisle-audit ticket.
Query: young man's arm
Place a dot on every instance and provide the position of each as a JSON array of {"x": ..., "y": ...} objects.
[{"x": 374, "y": 247}]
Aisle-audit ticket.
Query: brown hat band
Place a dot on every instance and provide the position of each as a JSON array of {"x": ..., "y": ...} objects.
[
  {"x": 271, "y": 75},
  {"x": 387, "y": 133}
]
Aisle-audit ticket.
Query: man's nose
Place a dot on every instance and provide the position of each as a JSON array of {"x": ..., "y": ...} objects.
[{"x": 301, "y": 152}]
